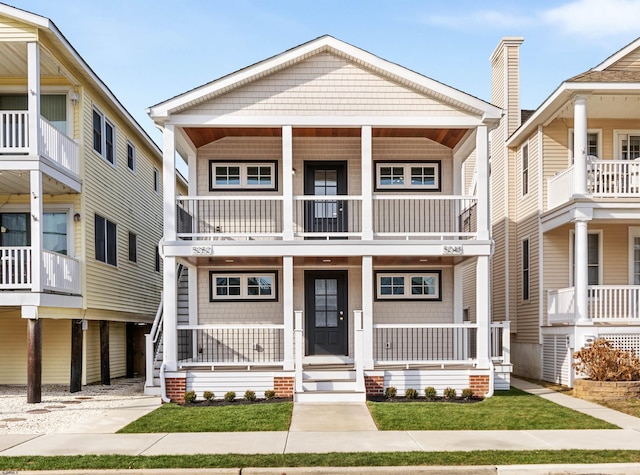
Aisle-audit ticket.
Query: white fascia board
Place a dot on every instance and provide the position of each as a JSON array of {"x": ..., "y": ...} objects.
[
  {"x": 324, "y": 121},
  {"x": 615, "y": 57},
  {"x": 25, "y": 16}
]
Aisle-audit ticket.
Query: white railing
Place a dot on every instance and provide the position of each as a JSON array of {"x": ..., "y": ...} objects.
[
  {"x": 560, "y": 188},
  {"x": 606, "y": 303},
  {"x": 14, "y": 132},
  {"x": 327, "y": 216},
  {"x": 500, "y": 344},
  {"x": 59, "y": 148},
  {"x": 425, "y": 217},
  {"x": 614, "y": 178},
  {"x": 61, "y": 273},
  {"x": 152, "y": 342},
  {"x": 230, "y": 345},
  {"x": 15, "y": 268}
]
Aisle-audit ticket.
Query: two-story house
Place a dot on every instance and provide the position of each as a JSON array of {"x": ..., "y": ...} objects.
[
  {"x": 80, "y": 216},
  {"x": 566, "y": 213},
  {"x": 335, "y": 237}
]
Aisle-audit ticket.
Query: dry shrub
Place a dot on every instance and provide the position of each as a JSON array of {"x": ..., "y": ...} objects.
[{"x": 602, "y": 362}]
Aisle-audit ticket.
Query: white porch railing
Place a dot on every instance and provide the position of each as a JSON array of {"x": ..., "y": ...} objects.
[
  {"x": 560, "y": 188},
  {"x": 14, "y": 132},
  {"x": 61, "y": 273},
  {"x": 15, "y": 268},
  {"x": 614, "y": 178},
  {"x": 59, "y": 148},
  {"x": 230, "y": 345},
  {"x": 606, "y": 303}
]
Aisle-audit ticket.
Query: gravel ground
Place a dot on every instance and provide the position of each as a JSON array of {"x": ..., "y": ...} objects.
[{"x": 60, "y": 409}]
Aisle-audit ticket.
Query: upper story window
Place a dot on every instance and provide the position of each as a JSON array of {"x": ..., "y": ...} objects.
[
  {"x": 238, "y": 175},
  {"x": 526, "y": 269},
  {"x": 156, "y": 180},
  {"x": 131, "y": 156},
  {"x": 105, "y": 241},
  {"x": 408, "y": 176},
  {"x": 104, "y": 137},
  {"x": 594, "y": 141},
  {"x": 243, "y": 286},
  {"x": 627, "y": 145},
  {"x": 53, "y": 107},
  {"x": 525, "y": 169},
  {"x": 416, "y": 285},
  {"x": 133, "y": 247}
]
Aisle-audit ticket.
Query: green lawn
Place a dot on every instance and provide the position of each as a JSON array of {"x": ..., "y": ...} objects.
[
  {"x": 506, "y": 410},
  {"x": 232, "y": 418}
]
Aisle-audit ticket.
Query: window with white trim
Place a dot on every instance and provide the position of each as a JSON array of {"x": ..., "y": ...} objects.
[
  {"x": 104, "y": 137},
  {"x": 627, "y": 145},
  {"x": 133, "y": 247},
  {"x": 131, "y": 156},
  {"x": 594, "y": 253},
  {"x": 526, "y": 269},
  {"x": 408, "y": 176},
  {"x": 634, "y": 256},
  {"x": 258, "y": 175},
  {"x": 244, "y": 286},
  {"x": 156, "y": 180},
  {"x": 105, "y": 241},
  {"x": 525, "y": 169},
  {"x": 594, "y": 141},
  {"x": 416, "y": 285}
]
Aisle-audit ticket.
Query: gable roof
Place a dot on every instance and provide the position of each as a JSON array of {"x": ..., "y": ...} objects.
[
  {"x": 618, "y": 55},
  {"x": 332, "y": 45}
]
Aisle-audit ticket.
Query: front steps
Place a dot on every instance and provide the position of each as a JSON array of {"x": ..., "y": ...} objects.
[{"x": 329, "y": 385}]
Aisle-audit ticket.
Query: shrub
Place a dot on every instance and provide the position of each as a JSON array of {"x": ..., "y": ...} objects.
[
  {"x": 467, "y": 393},
  {"x": 249, "y": 395},
  {"x": 190, "y": 396},
  {"x": 600, "y": 361},
  {"x": 270, "y": 394},
  {"x": 411, "y": 393},
  {"x": 390, "y": 392},
  {"x": 449, "y": 393},
  {"x": 230, "y": 396},
  {"x": 430, "y": 393},
  {"x": 208, "y": 396}
]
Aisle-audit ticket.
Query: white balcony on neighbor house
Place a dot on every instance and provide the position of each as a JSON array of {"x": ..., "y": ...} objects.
[
  {"x": 52, "y": 144},
  {"x": 605, "y": 179},
  {"x": 60, "y": 274},
  {"x": 606, "y": 304},
  {"x": 263, "y": 217}
]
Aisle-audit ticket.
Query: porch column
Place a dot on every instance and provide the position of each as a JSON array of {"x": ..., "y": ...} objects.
[
  {"x": 33, "y": 95},
  {"x": 581, "y": 269},
  {"x": 77, "y": 338},
  {"x": 170, "y": 316},
  {"x": 287, "y": 182},
  {"x": 169, "y": 182},
  {"x": 458, "y": 285},
  {"x": 287, "y": 304},
  {"x": 367, "y": 311},
  {"x": 35, "y": 177},
  {"x": 105, "y": 365},
  {"x": 367, "y": 184},
  {"x": 580, "y": 145},
  {"x": 34, "y": 354},
  {"x": 482, "y": 168},
  {"x": 483, "y": 318}
]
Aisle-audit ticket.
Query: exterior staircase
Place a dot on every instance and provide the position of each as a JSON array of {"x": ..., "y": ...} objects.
[{"x": 331, "y": 383}]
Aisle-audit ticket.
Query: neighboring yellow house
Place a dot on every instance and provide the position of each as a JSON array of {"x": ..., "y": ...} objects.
[
  {"x": 566, "y": 213},
  {"x": 80, "y": 216},
  {"x": 330, "y": 244}
]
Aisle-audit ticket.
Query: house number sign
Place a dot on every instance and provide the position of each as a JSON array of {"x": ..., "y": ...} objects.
[
  {"x": 202, "y": 250},
  {"x": 452, "y": 249}
]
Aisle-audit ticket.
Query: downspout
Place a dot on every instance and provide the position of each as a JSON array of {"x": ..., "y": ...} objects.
[
  {"x": 163, "y": 384},
  {"x": 491, "y": 379}
]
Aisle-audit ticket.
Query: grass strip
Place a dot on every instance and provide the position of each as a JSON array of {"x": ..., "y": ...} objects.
[
  {"x": 506, "y": 410},
  {"x": 360, "y": 459}
]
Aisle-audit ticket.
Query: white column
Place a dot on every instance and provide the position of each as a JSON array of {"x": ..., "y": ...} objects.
[
  {"x": 35, "y": 199},
  {"x": 581, "y": 269},
  {"x": 33, "y": 95},
  {"x": 458, "y": 286},
  {"x": 482, "y": 168},
  {"x": 193, "y": 173},
  {"x": 170, "y": 315},
  {"x": 483, "y": 319},
  {"x": 299, "y": 344},
  {"x": 287, "y": 304},
  {"x": 580, "y": 145},
  {"x": 367, "y": 311},
  {"x": 287, "y": 182},
  {"x": 367, "y": 184},
  {"x": 169, "y": 182}
]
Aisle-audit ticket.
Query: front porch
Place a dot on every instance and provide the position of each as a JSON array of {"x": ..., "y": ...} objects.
[{"x": 609, "y": 304}]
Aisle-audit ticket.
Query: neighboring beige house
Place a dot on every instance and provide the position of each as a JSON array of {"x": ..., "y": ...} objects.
[
  {"x": 80, "y": 216},
  {"x": 565, "y": 207},
  {"x": 335, "y": 237}
]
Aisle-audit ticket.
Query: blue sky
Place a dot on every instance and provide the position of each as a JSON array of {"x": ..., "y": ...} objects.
[{"x": 147, "y": 51}]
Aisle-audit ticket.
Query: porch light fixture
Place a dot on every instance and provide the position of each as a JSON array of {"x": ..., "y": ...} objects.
[
  {"x": 76, "y": 217},
  {"x": 74, "y": 98},
  {"x": 3, "y": 229}
]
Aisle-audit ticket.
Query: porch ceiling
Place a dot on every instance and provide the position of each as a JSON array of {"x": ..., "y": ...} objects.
[
  {"x": 608, "y": 106},
  {"x": 201, "y": 136},
  {"x": 17, "y": 182},
  {"x": 13, "y": 61},
  {"x": 324, "y": 261}
]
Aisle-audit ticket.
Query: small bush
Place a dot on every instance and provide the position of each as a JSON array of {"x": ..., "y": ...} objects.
[
  {"x": 600, "y": 361},
  {"x": 467, "y": 393},
  {"x": 249, "y": 395},
  {"x": 270, "y": 394},
  {"x": 411, "y": 393},
  {"x": 390, "y": 392},
  {"x": 230, "y": 396},
  {"x": 208, "y": 396},
  {"x": 449, "y": 393},
  {"x": 430, "y": 393},
  {"x": 190, "y": 396}
]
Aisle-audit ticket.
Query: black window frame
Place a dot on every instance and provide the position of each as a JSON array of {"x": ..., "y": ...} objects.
[{"x": 106, "y": 240}]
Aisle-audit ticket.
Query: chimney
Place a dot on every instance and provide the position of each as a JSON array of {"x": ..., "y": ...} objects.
[{"x": 505, "y": 81}]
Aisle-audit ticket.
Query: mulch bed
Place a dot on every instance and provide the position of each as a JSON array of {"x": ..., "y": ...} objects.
[
  {"x": 457, "y": 400},
  {"x": 237, "y": 402}
]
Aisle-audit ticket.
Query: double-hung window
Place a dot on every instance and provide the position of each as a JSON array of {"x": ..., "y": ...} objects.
[
  {"x": 627, "y": 145},
  {"x": 133, "y": 247},
  {"x": 105, "y": 241},
  {"x": 240, "y": 175},
  {"x": 525, "y": 169},
  {"x": 593, "y": 144},
  {"x": 526, "y": 269},
  {"x": 104, "y": 137},
  {"x": 131, "y": 156},
  {"x": 245, "y": 286},
  {"x": 408, "y": 176},
  {"x": 415, "y": 285}
]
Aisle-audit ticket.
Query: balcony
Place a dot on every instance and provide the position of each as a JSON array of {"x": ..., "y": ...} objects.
[
  {"x": 52, "y": 144},
  {"x": 605, "y": 179},
  {"x": 606, "y": 304},
  {"x": 326, "y": 217},
  {"x": 61, "y": 273}
]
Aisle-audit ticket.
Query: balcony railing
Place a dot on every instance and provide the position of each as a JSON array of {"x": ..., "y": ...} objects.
[
  {"x": 560, "y": 188},
  {"x": 605, "y": 303},
  {"x": 52, "y": 144},
  {"x": 61, "y": 273},
  {"x": 328, "y": 216},
  {"x": 15, "y": 268}
]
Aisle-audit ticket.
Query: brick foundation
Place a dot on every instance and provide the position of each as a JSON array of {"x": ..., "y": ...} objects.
[
  {"x": 374, "y": 385},
  {"x": 283, "y": 386},
  {"x": 175, "y": 388},
  {"x": 479, "y": 384}
]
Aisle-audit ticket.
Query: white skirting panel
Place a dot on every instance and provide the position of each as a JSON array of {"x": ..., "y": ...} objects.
[
  {"x": 221, "y": 382},
  {"x": 419, "y": 379}
]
